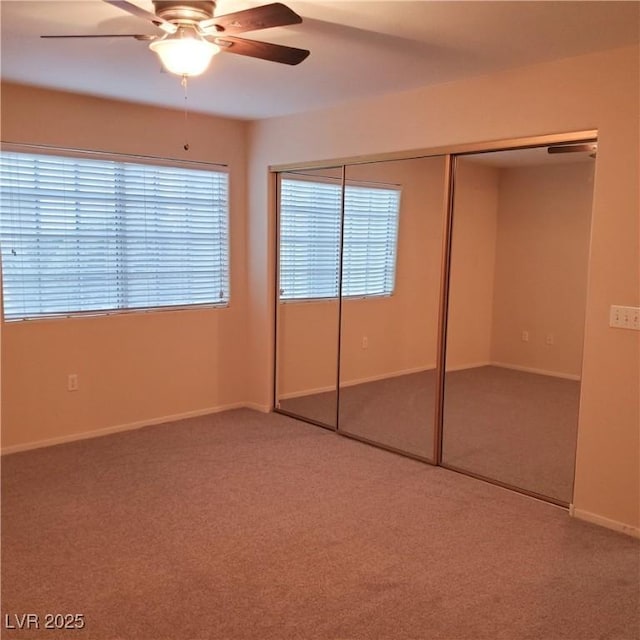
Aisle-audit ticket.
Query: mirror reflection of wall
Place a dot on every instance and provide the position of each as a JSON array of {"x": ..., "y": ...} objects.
[
  {"x": 520, "y": 244},
  {"x": 392, "y": 267},
  {"x": 310, "y": 206}
]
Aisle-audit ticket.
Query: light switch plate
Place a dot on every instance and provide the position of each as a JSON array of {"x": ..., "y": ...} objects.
[{"x": 624, "y": 317}]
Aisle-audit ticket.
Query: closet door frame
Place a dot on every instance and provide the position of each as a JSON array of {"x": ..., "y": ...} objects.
[
  {"x": 516, "y": 144},
  {"x": 450, "y": 153}
]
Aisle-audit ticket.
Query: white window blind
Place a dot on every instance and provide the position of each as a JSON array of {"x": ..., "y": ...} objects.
[
  {"x": 84, "y": 234},
  {"x": 310, "y": 239}
]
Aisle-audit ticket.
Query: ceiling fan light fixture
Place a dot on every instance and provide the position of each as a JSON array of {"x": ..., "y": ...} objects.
[{"x": 185, "y": 53}]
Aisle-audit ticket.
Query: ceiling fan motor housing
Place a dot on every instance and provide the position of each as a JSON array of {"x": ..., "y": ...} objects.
[{"x": 185, "y": 11}]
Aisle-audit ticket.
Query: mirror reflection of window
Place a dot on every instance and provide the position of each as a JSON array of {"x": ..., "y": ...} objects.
[
  {"x": 389, "y": 343},
  {"x": 309, "y": 219}
]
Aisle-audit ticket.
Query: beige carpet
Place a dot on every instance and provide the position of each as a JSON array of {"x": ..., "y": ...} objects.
[
  {"x": 250, "y": 526},
  {"x": 515, "y": 427},
  {"x": 519, "y": 428}
]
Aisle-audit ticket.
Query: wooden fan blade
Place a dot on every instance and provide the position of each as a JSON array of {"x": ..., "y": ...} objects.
[
  {"x": 137, "y": 36},
  {"x": 264, "y": 17},
  {"x": 135, "y": 10},
  {"x": 263, "y": 50}
]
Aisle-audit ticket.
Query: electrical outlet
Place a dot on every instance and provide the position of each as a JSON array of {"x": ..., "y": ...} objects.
[
  {"x": 550, "y": 339},
  {"x": 72, "y": 382},
  {"x": 525, "y": 336},
  {"x": 624, "y": 317},
  {"x": 365, "y": 342}
]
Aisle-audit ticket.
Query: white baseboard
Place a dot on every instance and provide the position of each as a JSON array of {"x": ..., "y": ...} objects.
[
  {"x": 404, "y": 372},
  {"x": 262, "y": 408},
  {"x": 594, "y": 518},
  {"x": 472, "y": 365},
  {"x": 84, "y": 435},
  {"x": 543, "y": 372},
  {"x": 306, "y": 392},
  {"x": 384, "y": 376}
]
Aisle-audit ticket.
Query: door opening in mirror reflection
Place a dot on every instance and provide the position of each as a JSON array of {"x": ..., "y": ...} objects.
[{"x": 518, "y": 279}]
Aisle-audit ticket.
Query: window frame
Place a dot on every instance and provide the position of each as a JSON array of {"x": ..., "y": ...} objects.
[
  {"x": 309, "y": 177},
  {"x": 144, "y": 160}
]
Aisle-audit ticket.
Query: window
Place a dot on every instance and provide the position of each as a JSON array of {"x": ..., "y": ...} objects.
[
  {"x": 310, "y": 239},
  {"x": 85, "y": 234}
]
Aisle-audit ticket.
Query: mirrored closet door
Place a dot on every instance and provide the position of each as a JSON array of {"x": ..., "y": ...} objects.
[
  {"x": 518, "y": 278},
  {"x": 393, "y": 225},
  {"x": 434, "y": 306},
  {"x": 307, "y": 309}
]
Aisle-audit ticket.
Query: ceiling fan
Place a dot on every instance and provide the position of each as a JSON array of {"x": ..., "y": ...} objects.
[{"x": 193, "y": 34}]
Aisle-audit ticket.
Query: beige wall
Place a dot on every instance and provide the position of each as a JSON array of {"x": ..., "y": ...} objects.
[
  {"x": 473, "y": 249},
  {"x": 141, "y": 366},
  {"x": 595, "y": 91},
  {"x": 307, "y": 347},
  {"x": 542, "y": 246}
]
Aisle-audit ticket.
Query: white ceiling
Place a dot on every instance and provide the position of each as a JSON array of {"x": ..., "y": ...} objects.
[{"x": 358, "y": 49}]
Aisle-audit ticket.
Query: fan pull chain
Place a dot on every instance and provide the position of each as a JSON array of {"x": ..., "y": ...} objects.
[{"x": 186, "y": 114}]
